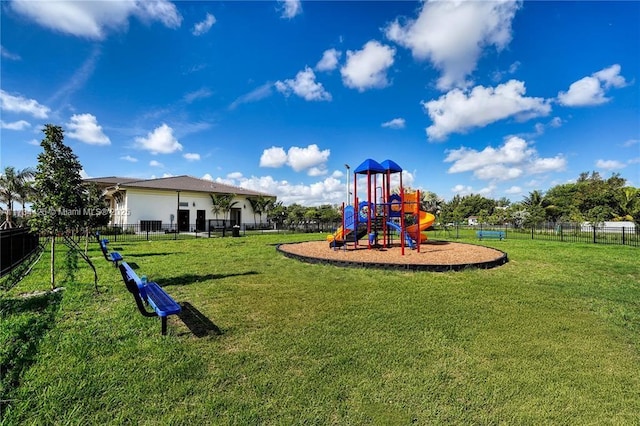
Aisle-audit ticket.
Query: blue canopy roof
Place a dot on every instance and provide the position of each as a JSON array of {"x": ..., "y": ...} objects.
[
  {"x": 369, "y": 166},
  {"x": 392, "y": 166}
]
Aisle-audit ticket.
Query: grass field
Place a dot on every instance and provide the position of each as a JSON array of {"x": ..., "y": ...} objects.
[{"x": 552, "y": 337}]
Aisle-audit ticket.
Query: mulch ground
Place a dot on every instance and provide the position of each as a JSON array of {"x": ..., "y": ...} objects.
[{"x": 433, "y": 255}]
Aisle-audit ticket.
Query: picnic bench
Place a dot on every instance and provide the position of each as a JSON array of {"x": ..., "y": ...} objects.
[
  {"x": 149, "y": 294},
  {"x": 114, "y": 256},
  {"x": 490, "y": 234}
]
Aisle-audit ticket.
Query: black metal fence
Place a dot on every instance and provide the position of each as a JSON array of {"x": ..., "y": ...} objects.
[
  {"x": 565, "y": 232},
  {"x": 16, "y": 245},
  {"x": 172, "y": 232}
]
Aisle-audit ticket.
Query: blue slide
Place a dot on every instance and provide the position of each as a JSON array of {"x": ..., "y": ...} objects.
[{"x": 406, "y": 235}]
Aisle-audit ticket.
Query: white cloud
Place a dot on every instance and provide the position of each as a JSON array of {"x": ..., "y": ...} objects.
[
  {"x": 154, "y": 163},
  {"x": 512, "y": 160},
  {"x": 190, "y": 156},
  {"x": 305, "y": 86},
  {"x": 498, "y": 75},
  {"x": 129, "y": 159},
  {"x": 514, "y": 190},
  {"x": 367, "y": 68},
  {"x": 462, "y": 189},
  {"x": 21, "y": 104},
  {"x": 204, "y": 26},
  {"x": 310, "y": 158},
  {"x": 631, "y": 142},
  {"x": 591, "y": 90},
  {"x": 329, "y": 61},
  {"x": 16, "y": 125},
  {"x": 396, "y": 123},
  {"x": 546, "y": 165},
  {"x": 255, "y": 95},
  {"x": 79, "y": 77},
  {"x": 291, "y": 8},
  {"x": 159, "y": 141},
  {"x": 93, "y": 19},
  {"x": 202, "y": 93},
  {"x": 317, "y": 171},
  {"x": 326, "y": 191},
  {"x": 9, "y": 55},
  {"x": 273, "y": 157},
  {"x": 555, "y": 122},
  {"x": 610, "y": 164},
  {"x": 458, "y": 111},
  {"x": 452, "y": 34},
  {"x": 306, "y": 158},
  {"x": 235, "y": 175},
  {"x": 85, "y": 128},
  {"x": 207, "y": 176}
]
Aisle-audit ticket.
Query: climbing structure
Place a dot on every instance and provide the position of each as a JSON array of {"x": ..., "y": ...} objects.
[{"x": 383, "y": 213}]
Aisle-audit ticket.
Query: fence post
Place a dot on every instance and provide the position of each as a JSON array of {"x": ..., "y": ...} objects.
[
  {"x": 561, "y": 233},
  {"x": 623, "y": 242},
  {"x": 532, "y": 228},
  {"x": 594, "y": 234}
]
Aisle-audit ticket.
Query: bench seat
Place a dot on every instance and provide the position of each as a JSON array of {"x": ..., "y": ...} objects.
[
  {"x": 160, "y": 301},
  {"x": 113, "y": 257},
  {"x": 149, "y": 294},
  {"x": 490, "y": 234}
]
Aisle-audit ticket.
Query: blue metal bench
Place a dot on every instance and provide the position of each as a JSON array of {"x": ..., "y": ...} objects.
[
  {"x": 150, "y": 294},
  {"x": 490, "y": 235},
  {"x": 114, "y": 256}
]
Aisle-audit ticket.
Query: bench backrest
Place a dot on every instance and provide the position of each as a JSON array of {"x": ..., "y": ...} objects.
[
  {"x": 132, "y": 281},
  {"x": 103, "y": 247}
]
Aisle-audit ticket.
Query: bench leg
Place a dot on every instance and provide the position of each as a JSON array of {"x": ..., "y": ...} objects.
[{"x": 164, "y": 325}]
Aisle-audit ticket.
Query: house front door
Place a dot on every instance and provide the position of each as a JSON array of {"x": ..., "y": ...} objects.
[
  {"x": 200, "y": 215},
  {"x": 183, "y": 220},
  {"x": 236, "y": 216}
]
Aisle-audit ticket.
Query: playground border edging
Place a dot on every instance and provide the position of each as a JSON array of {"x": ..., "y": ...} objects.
[{"x": 398, "y": 266}]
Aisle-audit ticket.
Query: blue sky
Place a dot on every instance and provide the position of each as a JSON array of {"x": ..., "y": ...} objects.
[{"x": 496, "y": 98}]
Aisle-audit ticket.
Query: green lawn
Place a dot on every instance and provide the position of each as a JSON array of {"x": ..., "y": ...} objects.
[{"x": 552, "y": 337}]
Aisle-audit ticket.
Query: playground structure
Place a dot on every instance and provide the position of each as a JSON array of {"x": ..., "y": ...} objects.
[{"x": 383, "y": 213}]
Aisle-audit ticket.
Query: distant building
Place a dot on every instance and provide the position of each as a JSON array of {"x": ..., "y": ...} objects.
[
  {"x": 610, "y": 226},
  {"x": 185, "y": 201},
  {"x": 472, "y": 220}
]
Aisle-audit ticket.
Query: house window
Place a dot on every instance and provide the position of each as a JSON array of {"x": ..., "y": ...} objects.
[{"x": 150, "y": 225}]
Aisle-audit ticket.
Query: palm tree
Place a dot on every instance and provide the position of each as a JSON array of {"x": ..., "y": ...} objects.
[
  {"x": 14, "y": 186},
  {"x": 222, "y": 203},
  {"x": 259, "y": 205},
  {"x": 534, "y": 199}
]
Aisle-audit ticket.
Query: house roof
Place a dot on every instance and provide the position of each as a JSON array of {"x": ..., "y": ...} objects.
[{"x": 176, "y": 183}]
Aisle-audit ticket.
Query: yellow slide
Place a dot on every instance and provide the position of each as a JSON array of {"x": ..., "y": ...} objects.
[
  {"x": 340, "y": 234},
  {"x": 425, "y": 220}
]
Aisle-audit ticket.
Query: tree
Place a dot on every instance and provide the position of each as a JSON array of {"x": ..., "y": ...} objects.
[
  {"x": 628, "y": 204},
  {"x": 222, "y": 203},
  {"x": 259, "y": 204},
  {"x": 58, "y": 187},
  {"x": 14, "y": 185},
  {"x": 95, "y": 211},
  {"x": 277, "y": 213},
  {"x": 430, "y": 202}
]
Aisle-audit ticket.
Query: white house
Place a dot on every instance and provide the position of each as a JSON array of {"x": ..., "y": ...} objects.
[
  {"x": 185, "y": 201},
  {"x": 617, "y": 227}
]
